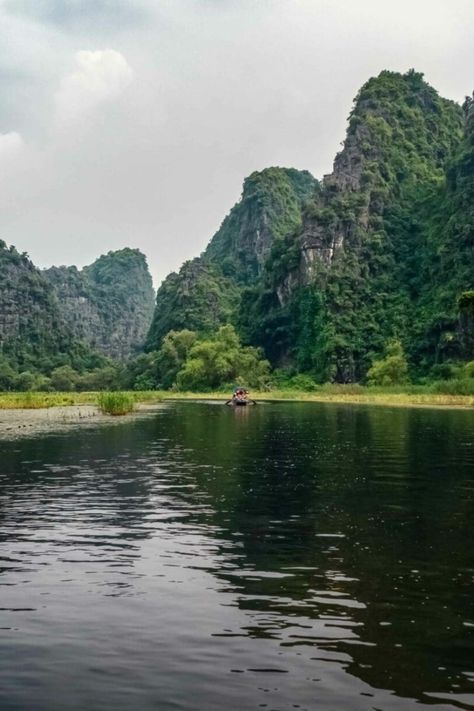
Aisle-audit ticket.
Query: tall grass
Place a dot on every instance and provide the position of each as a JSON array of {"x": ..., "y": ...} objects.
[
  {"x": 115, "y": 403},
  {"x": 39, "y": 400}
]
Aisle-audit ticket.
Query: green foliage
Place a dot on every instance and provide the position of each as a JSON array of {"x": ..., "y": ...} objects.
[
  {"x": 172, "y": 356},
  {"x": 109, "y": 304},
  {"x": 199, "y": 298},
  {"x": 360, "y": 270},
  {"x": 457, "y": 386},
  {"x": 270, "y": 209},
  {"x": 115, "y": 403},
  {"x": 7, "y": 376},
  {"x": 468, "y": 369},
  {"x": 302, "y": 381},
  {"x": 64, "y": 378},
  {"x": 105, "y": 378},
  {"x": 390, "y": 370},
  {"x": 222, "y": 361}
]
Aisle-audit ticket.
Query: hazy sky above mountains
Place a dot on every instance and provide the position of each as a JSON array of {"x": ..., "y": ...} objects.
[{"x": 134, "y": 122}]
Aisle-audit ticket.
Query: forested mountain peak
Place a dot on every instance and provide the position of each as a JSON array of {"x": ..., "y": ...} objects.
[
  {"x": 33, "y": 333},
  {"x": 270, "y": 208},
  {"x": 327, "y": 273},
  {"x": 108, "y": 304},
  {"x": 205, "y": 294}
]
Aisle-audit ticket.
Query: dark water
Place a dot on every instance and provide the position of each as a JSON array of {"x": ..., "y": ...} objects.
[{"x": 281, "y": 557}]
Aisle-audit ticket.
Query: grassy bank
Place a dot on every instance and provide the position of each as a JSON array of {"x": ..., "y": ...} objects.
[
  {"x": 415, "y": 395},
  {"x": 36, "y": 400},
  {"x": 410, "y": 395}
]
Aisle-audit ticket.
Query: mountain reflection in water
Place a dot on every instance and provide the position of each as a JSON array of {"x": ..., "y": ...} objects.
[{"x": 285, "y": 556}]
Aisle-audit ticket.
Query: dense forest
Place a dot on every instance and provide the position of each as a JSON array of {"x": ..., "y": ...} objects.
[{"x": 366, "y": 276}]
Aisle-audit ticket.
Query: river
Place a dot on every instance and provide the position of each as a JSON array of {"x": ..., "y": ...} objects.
[{"x": 284, "y": 556}]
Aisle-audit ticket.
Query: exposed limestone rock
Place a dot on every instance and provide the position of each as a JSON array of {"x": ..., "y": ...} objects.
[{"x": 109, "y": 304}]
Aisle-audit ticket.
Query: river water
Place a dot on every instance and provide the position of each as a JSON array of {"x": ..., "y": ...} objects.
[{"x": 286, "y": 556}]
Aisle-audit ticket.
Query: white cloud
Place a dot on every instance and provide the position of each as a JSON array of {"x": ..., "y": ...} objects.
[
  {"x": 10, "y": 144},
  {"x": 102, "y": 75}
]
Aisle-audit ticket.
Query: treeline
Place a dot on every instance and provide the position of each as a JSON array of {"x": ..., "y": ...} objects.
[
  {"x": 189, "y": 361},
  {"x": 186, "y": 361}
]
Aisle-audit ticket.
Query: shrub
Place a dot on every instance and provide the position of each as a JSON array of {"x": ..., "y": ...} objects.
[
  {"x": 390, "y": 370},
  {"x": 468, "y": 370},
  {"x": 115, "y": 403},
  {"x": 64, "y": 378},
  {"x": 302, "y": 382},
  {"x": 459, "y": 386}
]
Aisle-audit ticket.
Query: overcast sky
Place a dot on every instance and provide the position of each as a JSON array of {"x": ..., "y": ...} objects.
[{"x": 134, "y": 122}]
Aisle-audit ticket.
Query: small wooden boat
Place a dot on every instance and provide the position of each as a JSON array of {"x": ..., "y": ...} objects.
[
  {"x": 240, "y": 398},
  {"x": 239, "y": 402}
]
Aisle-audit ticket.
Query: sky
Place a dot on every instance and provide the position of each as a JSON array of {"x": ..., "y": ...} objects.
[{"x": 134, "y": 122}]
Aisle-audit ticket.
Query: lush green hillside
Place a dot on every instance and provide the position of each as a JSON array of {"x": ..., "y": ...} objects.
[
  {"x": 205, "y": 294},
  {"x": 57, "y": 326},
  {"x": 33, "y": 334},
  {"x": 269, "y": 210},
  {"x": 349, "y": 281},
  {"x": 199, "y": 298},
  {"x": 444, "y": 329},
  {"x": 109, "y": 304},
  {"x": 325, "y": 276}
]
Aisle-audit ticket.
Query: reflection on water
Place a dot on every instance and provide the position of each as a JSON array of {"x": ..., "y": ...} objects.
[{"x": 285, "y": 556}]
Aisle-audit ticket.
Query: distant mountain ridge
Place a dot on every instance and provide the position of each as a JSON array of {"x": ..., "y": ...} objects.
[
  {"x": 63, "y": 315},
  {"x": 109, "y": 304}
]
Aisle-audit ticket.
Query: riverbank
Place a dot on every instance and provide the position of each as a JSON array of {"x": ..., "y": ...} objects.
[
  {"x": 17, "y": 422},
  {"x": 40, "y": 400},
  {"x": 414, "y": 397},
  {"x": 341, "y": 396}
]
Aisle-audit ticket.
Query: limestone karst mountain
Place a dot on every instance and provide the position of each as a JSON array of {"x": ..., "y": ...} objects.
[
  {"x": 63, "y": 316},
  {"x": 322, "y": 275},
  {"x": 109, "y": 304}
]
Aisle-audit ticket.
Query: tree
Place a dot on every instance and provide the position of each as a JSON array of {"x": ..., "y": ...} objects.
[
  {"x": 7, "y": 375},
  {"x": 390, "y": 370},
  {"x": 222, "y": 361},
  {"x": 64, "y": 378},
  {"x": 25, "y": 381},
  {"x": 172, "y": 355}
]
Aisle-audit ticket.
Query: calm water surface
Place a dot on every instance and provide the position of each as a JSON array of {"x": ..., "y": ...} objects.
[{"x": 288, "y": 556}]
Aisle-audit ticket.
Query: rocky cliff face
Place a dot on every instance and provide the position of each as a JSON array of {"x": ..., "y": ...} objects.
[
  {"x": 270, "y": 209},
  {"x": 400, "y": 137},
  {"x": 350, "y": 280},
  {"x": 109, "y": 304},
  {"x": 327, "y": 273},
  {"x": 205, "y": 294},
  {"x": 31, "y": 326}
]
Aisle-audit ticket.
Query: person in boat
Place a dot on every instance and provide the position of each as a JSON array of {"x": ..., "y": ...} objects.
[{"x": 240, "y": 396}]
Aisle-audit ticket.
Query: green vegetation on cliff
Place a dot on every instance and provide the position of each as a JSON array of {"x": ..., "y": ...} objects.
[
  {"x": 350, "y": 280},
  {"x": 366, "y": 277},
  {"x": 324, "y": 276},
  {"x": 33, "y": 335},
  {"x": 205, "y": 294},
  {"x": 109, "y": 304},
  {"x": 269, "y": 210},
  {"x": 199, "y": 298},
  {"x": 57, "y": 326}
]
